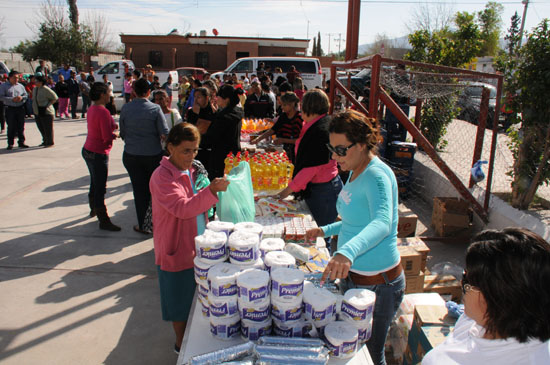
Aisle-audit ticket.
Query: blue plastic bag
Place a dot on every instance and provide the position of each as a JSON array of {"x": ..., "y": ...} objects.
[
  {"x": 477, "y": 172},
  {"x": 237, "y": 203}
]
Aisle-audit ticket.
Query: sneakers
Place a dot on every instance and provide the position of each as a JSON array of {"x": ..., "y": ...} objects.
[{"x": 10, "y": 148}]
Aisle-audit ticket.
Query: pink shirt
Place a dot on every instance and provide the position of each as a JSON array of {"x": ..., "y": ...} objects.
[
  {"x": 175, "y": 211},
  {"x": 128, "y": 86},
  {"x": 316, "y": 174},
  {"x": 101, "y": 126}
]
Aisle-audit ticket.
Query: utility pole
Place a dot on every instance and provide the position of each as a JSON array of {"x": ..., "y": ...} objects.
[
  {"x": 329, "y": 35},
  {"x": 339, "y": 42},
  {"x": 526, "y": 3}
]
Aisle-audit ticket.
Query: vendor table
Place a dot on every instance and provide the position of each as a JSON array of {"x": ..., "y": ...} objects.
[{"x": 198, "y": 340}]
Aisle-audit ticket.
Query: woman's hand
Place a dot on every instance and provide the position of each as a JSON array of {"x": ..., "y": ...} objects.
[
  {"x": 338, "y": 268},
  {"x": 312, "y": 234},
  {"x": 218, "y": 184}
]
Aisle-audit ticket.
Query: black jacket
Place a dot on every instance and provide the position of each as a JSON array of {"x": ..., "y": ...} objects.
[
  {"x": 62, "y": 89},
  {"x": 261, "y": 107},
  {"x": 74, "y": 88}
]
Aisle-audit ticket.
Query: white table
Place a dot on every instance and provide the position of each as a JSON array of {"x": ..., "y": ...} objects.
[{"x": 198, "y": 340}]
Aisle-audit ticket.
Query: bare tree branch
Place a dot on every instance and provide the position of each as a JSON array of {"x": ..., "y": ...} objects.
[
  {"x": 98, "y": 23},
  {"x": 431, "y": 17}
]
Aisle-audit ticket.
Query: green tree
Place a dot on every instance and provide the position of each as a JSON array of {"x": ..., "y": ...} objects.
[
  {"x": 319, "y": 48},
  {"x": 314, "y": 50},
  {"x": 490, "y": 22}
]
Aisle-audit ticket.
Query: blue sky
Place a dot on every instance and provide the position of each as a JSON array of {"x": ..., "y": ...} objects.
[{"x": 264, "y": 18}]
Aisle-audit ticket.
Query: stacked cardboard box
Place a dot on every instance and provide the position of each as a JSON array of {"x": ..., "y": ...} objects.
[
  {"x": 431, "y": 325},
  {"x": 446, "y": 285},
  {"x": 414, "y": 254},
  {"x": 406, "y": 227},
  {"x": 451, "y": 216}
]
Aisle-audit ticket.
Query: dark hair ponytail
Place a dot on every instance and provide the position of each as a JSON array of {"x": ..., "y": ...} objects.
[{"x": 228, "y": 92}]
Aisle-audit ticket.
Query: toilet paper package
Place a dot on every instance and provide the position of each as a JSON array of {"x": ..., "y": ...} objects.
[
  {"x": 210, "y": 247},
  {"x": 223, "y": 306},
  {"x": 253, "y": 285},
  {"x": 222, "y": 280},
  {"x": 219, "y": 226},
  {"x": 276, "y": 259},
  {"x": 225, "y": 328},
  {"x": 287, "y": 285},
  {"x": 243, "y": 247},
  {"x": 205, "y": 309},
  {"x": 299, "y": 328},
  {"x": 341, "y": 339},
  {"x": 256, "y": 312},
  {"x": 286, "y": 312},
  {"x": 202, "y": 288},
  {"x": 201, "y": 269},
  {"x": 252, "y": 330},
  {"x": 364, "y": 328},
  {"x": 358, "y": 305},
  {"x": 271, "y": 244},
  {"x": 250, "y": 227},
  {"x": 258, "y": 264},
  {"x": 319, "y": 304},
  {"x": 298, "y": 252}
]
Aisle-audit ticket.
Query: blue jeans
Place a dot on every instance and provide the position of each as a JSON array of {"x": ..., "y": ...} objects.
[
  {"x": 321, "y": 201},
  {"x": 85, "y": 104},
  {"x": 388, "y": 299},
  {"x": 98, "y": 165}
]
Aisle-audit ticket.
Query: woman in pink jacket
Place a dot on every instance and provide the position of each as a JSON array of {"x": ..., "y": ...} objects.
[{"x": 181, "y": 197}]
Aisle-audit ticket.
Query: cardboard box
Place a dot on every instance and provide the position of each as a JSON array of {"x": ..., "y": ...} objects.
[
  {"x": 414, "y": 283},
  {"x": 444, "y": 285},
  {"x": 451, "y": 216},
  {"x": 406, "y": 226},
  {"x": 419, "y": 245},
  {"x": 410, "y": 259}
]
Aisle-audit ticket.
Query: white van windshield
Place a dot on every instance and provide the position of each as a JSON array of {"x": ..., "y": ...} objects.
[
  {"x": 302, "y": 66},
  {"x": 243, "y": 66},
  {"x": 110, "y": 68}
]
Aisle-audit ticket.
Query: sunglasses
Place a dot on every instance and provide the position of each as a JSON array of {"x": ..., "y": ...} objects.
[
  {"x": 466, "y": 286},
  {"x": 339, "y": 150}
]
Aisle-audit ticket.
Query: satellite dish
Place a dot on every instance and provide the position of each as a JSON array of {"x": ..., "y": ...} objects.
[{"x": 215, "y": 31}]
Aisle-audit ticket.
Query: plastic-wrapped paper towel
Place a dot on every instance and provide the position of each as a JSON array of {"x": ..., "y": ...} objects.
[
  {"x": 225, "y": 327},
  {"x": 220, "y": 226},
  {"x": 276, "y": 259},
  {"x": 287, "y": 285},
  {"x": 319, "y": 304},
  {"x": 341, "y": 339},
  {"x": 222, "y": 279},
  {"x": 299, "y": 328},
  {"x": 271, "y": 244},
  {"x": 298, "y": 252},
  {"x": 256, "y": 312},
  {"x": 221, "y": 307},
  {"x": 252, "y": 330},
  {"x": 210, "y": 247},
  {"x": 286, "y": 312},
  {"x": 224, "y": 355},
  {"x": 253, "y": 285},
  {"x": 243, "y": 247},
  {"x": 358, "y": 305},
  {"x": 201, "y": 269},
  {"x": 250, "y": 227}
]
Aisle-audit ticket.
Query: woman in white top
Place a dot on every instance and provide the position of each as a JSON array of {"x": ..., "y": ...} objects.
[
  {"x": 506, "y": 299},
  {"x": 172, "y": 116}
]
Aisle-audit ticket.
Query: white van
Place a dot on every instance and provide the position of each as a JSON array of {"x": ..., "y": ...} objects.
[
  {"x": 309, "y": 68},
  {"x": 115, "y": 73}
]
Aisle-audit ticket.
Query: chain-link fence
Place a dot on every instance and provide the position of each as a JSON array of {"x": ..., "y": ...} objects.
[{"x": 450, "y": 125}]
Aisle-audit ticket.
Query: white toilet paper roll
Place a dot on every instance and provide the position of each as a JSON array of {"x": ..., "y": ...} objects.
[
  {"x": 222, "y": 280},
  {"x": 202, "y": 288},
  {"x": 252, "y": 331},
  {"x": 253, "y": 285},
  {"x": 258, "y": 264},
  {"x": 341, "y": 339},
  {"x": 201, "y": 269},
  {"x": 243, "y": 247},
  {"x": 358, "y": 304},
  {"x": 299, "y": 328},
  {"x": 225, "y": 328},
  {"x": 223, "y": 307},
  {"x": 319, "y": 304},
  {"x": 210, "y": 247},
  {"x": 257, "y": 312},
  {"x": 271, "y": 244},
  {"x": 276, "y": 259},
  {"x": 205, "y": 309},
  {"x": 363, "y": 327},
  {"x": 250, "y": 227},
  {"x": 287, "y": 285},
  {"x": 286, "y": 312},
  {"x": 219, "y": 226}
]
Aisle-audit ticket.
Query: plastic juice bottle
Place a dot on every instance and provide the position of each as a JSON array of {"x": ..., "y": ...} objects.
[
  {"x": 253, "y": 174},
  {"x": 226, "y": 160},
  {"x": 275, "y": 175},
  {"x": 228, "y": 167},
  {"x": 260, "y": 172}
]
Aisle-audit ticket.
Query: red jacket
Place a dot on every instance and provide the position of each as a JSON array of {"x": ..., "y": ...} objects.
[{"x": 175, "y": 211}]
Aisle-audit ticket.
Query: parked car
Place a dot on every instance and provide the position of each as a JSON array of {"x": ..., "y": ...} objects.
[
  {"x": 115, "y": 73},
  {"x": 469, "y": 102},
  {"x": 360, "y": 82},
  {"x": 4, "y": 70},
  {"x": 196, "y": 72}
]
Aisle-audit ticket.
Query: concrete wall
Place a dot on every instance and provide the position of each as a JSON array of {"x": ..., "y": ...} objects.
[{"x": 234, "y": 47}]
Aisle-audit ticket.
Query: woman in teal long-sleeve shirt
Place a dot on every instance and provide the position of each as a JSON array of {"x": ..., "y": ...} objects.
[{"x": 367, "y": 255}]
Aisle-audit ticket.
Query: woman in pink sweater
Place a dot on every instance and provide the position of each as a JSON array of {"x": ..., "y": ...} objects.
[
  {"x": 102, "y": 130},
  {"x": 181, "y": 197}
]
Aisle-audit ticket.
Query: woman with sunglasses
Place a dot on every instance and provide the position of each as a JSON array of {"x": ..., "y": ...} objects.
[
  {"x": 315, "y": 176},
  {"x": 181, "y": 195},
  {"x": 506, "y": 300},
  {"x": 367, "y": 255}
]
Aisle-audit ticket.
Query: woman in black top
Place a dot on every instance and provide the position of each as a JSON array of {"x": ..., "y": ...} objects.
[
  {"x": 225, "y": 132},
  {"x": 202, "y": 115}
]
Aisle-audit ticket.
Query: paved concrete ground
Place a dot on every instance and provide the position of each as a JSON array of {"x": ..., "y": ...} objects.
[{"x": 71, "y": 293}]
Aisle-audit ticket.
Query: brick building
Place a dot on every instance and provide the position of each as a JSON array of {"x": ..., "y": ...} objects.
[{"x": 214, "y": 53}]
